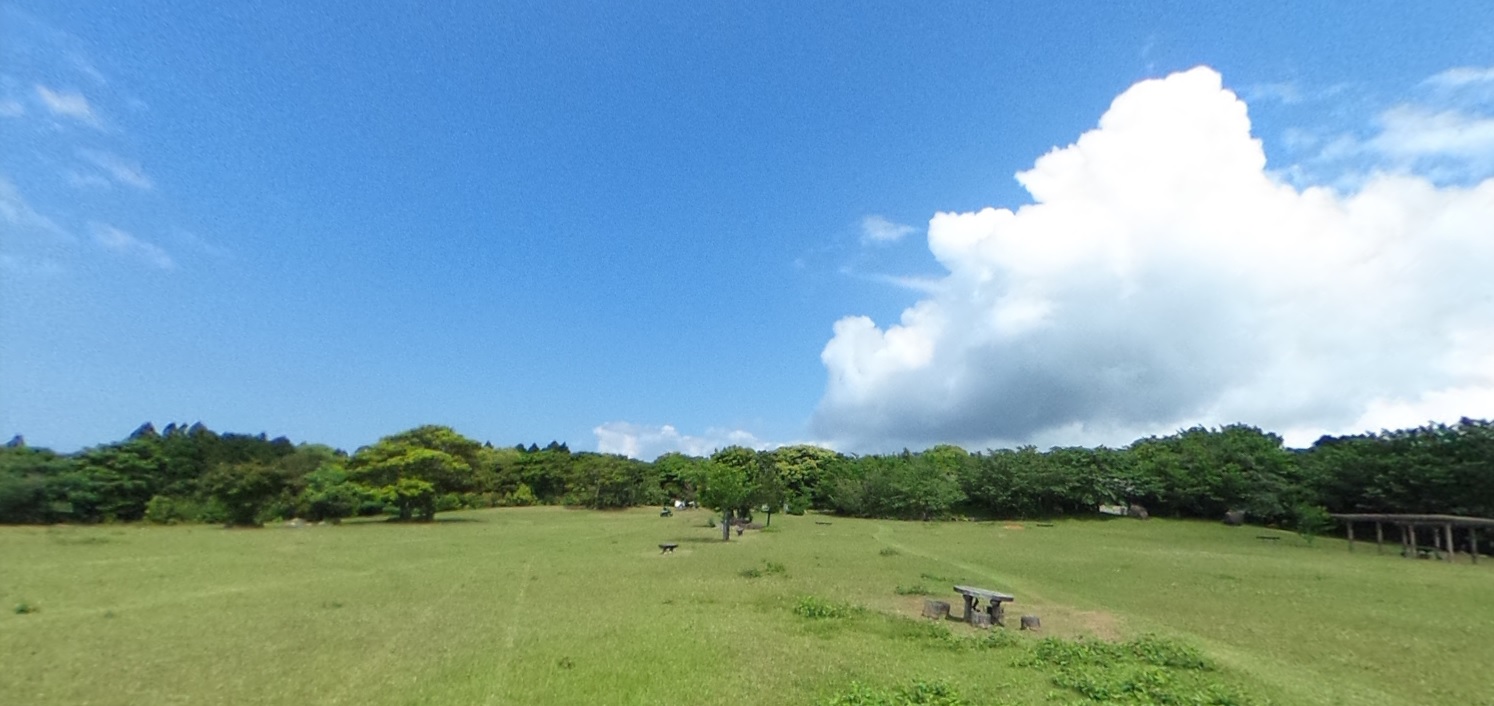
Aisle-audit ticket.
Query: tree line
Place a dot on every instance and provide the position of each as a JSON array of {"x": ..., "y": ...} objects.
[{"x": 190, "y": 473}]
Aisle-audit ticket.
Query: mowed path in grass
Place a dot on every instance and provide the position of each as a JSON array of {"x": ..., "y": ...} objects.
[{"x": 551, "y": 606}]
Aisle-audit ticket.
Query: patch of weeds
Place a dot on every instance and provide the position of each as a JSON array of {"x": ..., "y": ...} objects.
[
  {"x": 995, "y": 639},
  {"x": 1162, "y": 652},
  {"x": 27, "y": 608},
  {"x": 816, "y": 608},
  {"x": 331, "y": 605},
  {"x": 1147, "y": 670},
  {"x": 889, "y": 551},
  {"x": 565, "y": 663},
  {"x": 915, "y": 693},
  {"x": 769, "y": 568},
  {"x": 936, "y": 635},
  {"x": 939, "y": 579},
  {"x": 108, "y": 614},
  {"x": 916, "y": 589}
]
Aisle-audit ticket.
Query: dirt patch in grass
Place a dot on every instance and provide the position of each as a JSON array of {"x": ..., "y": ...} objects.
[
  {"x": 1013, "y": 527},
  {"x": 1070, "y": 622}
]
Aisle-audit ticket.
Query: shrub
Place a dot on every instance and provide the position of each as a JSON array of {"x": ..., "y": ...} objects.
[
  {"x": 917, "y": 693},
  {"x": 25, "y": 607},
  {"x": 889, "y": 551},
  {"x": 164, "y": 510},
  {"x": 522, "y": 496},
  {"x": 916, "y": 589},
  {"x": 1311, "y": 521}
]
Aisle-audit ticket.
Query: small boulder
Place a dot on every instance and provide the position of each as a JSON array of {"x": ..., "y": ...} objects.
[
  {"x": 1234, "y": 518},
  {"x": 1031, "y": 622}
]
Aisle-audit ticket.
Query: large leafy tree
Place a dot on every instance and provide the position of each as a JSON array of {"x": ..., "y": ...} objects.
[
  {"x": 805, "y": 469},
  {"x": 726, "y": 485},
  {"x": 245, "y": 490},
  {"x": 409, "y": 470}
]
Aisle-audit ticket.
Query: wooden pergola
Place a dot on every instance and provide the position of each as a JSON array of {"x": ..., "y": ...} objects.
[{"x": 1442, "y": 531}]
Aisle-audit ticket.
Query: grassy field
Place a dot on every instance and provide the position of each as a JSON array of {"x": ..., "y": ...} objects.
[{"x": 550, "y": 606}]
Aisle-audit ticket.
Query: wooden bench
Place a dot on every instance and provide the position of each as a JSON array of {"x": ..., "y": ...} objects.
[
  {"x": 992, "y": 614},
  {"x": 667, "y": 547}
]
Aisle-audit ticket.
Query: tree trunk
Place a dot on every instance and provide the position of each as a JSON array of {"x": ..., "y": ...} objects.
[
  {"x": 726, "y": 526},
  {"x": 769, "y": 523}
]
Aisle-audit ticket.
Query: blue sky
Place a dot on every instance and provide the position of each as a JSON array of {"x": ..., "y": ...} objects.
[{"x": 644, "y": 226}]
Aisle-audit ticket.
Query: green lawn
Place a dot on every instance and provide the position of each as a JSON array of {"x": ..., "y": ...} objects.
[{"x": 550, "y": 606}]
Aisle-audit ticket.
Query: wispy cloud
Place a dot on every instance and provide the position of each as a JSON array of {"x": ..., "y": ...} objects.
[
  {"x": 68, "y": 103},
  {"x": 86, "y": 180},
  {"x": 878, "y": 229},
  {"x": 119, "y": 169},
  {"x": 119, "y": 241},
  {"x": 915, "y": 283},
  {"x": 1285, "y": 92},
  {"x": 1442, "y": 130},
  {"x": 1462, "y": 76},
  {"x": 1413, "y": 132},
  {"x": 17, "y": 213},
  {"x": 196, "y": 242},
  {"x": 12, "y": 108}
]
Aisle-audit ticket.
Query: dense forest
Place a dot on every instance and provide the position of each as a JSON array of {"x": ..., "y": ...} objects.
[{"x": 191, "y": 474}]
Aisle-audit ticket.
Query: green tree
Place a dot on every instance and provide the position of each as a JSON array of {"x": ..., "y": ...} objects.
[
  {"x": 805, "y": 468},
  {"x": 770, "y": 490},
  {"x": 726, "y": 484},
  {"x": 328, "y": 493},
  {"x": 411, "y": 469},
  {"x": 245, "y": 490}
]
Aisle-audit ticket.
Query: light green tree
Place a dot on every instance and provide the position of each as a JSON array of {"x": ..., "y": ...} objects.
[
  {"x": 726, "y": 483},
  {"x": 411, "y": 469}
]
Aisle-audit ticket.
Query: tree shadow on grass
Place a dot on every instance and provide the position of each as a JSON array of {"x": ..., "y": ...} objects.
[{"x": 698, "y": 540}]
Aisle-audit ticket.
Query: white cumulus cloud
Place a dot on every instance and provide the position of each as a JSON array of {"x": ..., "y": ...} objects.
[
  {"x": 1162, "y": 277},
  {"x": 648, "y": 442}
]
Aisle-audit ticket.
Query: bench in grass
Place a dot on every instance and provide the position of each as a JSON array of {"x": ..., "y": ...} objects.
[{"x": 992, "y": 614}]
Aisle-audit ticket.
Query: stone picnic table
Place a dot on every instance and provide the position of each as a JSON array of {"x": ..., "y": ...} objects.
[{"x": 992, "y": 614}]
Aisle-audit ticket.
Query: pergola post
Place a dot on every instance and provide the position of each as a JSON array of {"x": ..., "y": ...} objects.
[{"x": 1443, "y": 537}]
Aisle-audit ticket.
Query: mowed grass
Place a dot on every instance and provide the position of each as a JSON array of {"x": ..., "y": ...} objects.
[{"x": 552, "y": 606}]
